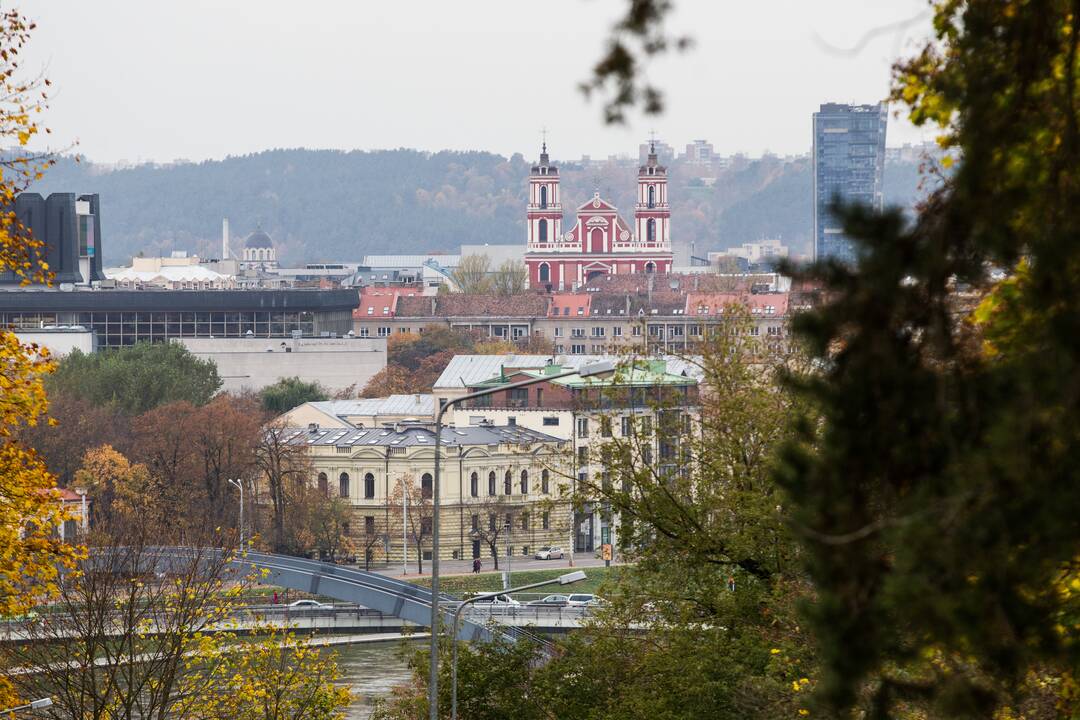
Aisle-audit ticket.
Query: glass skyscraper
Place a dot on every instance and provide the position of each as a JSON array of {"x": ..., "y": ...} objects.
[{"x": 849, "y": 165}]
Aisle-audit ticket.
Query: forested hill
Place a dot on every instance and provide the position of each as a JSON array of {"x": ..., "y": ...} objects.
[{"x": 334, "y": 205}]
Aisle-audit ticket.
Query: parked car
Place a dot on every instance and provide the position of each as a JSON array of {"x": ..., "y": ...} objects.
[
  {"x": 583, "y": 599},
  {"x": 549, "y": 553},
  {"x": 310, "y": 605},
  {"x": 551, "y": 601},
  {"x": 498, "y": 600}
]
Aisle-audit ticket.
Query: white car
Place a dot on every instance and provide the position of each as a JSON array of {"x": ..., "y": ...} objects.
[
  {"x": 498, "y": 600},
  {"x": 549, "y": 553},
  {"x": 582, "y": 600},
  {"x": 310, "y": 605}
]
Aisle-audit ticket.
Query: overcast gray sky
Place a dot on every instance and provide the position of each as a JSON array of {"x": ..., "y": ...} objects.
[{"x": 164, "y": 79}]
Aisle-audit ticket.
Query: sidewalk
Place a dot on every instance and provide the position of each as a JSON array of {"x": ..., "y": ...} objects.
[{"x": 464, "y": 567}]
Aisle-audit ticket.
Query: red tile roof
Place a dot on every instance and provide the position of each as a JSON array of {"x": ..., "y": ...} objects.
[
  {"x": 702, "y": 304},
  {"x": 526, "y": 305},
  {"x": 569, "y": 304},
  {"x": 381, "y": 301}
]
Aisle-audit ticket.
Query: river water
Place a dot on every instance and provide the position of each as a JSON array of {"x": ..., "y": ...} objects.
[{"x": 371, "y": 670}]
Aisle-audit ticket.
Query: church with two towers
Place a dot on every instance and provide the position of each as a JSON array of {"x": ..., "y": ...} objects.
[{"x": 600, "y": 241}]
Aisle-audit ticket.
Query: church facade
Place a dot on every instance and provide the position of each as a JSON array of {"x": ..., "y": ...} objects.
[{"x": 600, "y": 241}]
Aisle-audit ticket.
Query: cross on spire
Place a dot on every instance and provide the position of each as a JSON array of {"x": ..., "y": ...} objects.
[
  {"x": 543, "y": 135},
  {"x": 652, "y": 142}
]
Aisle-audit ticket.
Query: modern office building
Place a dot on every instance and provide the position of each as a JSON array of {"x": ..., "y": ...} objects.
[
  {"x": 848, "y": 166},
  {"x": 69, "y": 228}
]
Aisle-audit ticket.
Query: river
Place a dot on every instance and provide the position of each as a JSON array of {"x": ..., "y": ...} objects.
[{"x": 371, "y": 670}]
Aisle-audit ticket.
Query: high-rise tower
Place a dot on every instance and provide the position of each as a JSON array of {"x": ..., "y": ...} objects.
[{"x": 849, "y": 166}]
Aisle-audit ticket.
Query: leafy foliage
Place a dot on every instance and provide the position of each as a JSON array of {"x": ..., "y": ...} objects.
[
  {"x": 137, "y": 378},
  {"x": 936, "y": 495},
  {"x": 288, "y": 393}
]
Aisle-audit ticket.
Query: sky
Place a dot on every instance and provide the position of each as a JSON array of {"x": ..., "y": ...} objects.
[{"x": 160, "y": 80}]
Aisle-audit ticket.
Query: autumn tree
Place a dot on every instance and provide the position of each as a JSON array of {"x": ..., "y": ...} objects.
[
  {"x": 121, "y": 492},
  {"x": 31, "y": 555},
  {"x": 284, "y": 472},
  {"x": 331, "y": 527},
  {"x": 472, "y": 276},
  {"x": 510, "y": 278}
]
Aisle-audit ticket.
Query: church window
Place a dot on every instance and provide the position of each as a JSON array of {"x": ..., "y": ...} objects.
[
  {"x": 542, "y": 234},
  {"x": 650, "y": 230},
  {"x": 545, "y": 271},
  {"x": 543, "y": 198},
  {"x": 652, "y": 196},
  {"x": 650, "y": 268}
]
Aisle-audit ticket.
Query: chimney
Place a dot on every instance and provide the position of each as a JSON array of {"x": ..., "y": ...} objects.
[{"x": 225, "y": 238}]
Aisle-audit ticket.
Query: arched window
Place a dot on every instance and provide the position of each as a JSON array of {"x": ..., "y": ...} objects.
[
  {"x": 474, "y": 485},
  {"x": 596, "y": 240},
  {"x": 652, "y": 196},
  {"x": 545, "y": 273},
  {"x": 541, "y": 234},
  {"x": 343, "y": 484},
  {"x": 491, "y": 483},
  {"x": 369, "y": 486},
  {"x": 650, "y": 230},
  {"x": 545, "y": 486},
  {"x": 524, "y": 482},
  {"x": 425, "y": 485},
  {"x": 650, "y": 268},
  {"x": 543, "y": 198},
  {"x": 324, "y": 485},
  {"x": 508, "y": 483}
]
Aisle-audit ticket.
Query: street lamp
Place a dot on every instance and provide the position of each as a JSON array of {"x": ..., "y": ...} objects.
[
  {"x": 561, "y": 580},
  {"x": 599, "y": 368},
  {"x": 240, "y": 486},
  {"x": 35, "y": 705}
]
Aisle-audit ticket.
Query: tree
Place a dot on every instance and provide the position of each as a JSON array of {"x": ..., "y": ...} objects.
[
  {"x": 374, "y": 537},
  {"x": 511, "y": 278},
  {"x": 472, "y": 276},
  {"x": 137, "y": 378},
  {"x": 285, "y": 468},
  {"x": 495, "y": 518},
  {"x": 411, "y": 508},
  {"x": 935, "y": 492},
  {"x": 31, "y": 556},
  {"x": 122, "y": 493},
  {"x": 288, "y": 393},
  {"x": 331, "y": 527},
  {"x": 391, "y": 380}
]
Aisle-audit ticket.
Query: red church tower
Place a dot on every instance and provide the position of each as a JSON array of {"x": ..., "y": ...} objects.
[{"x": 600, "y": 243}]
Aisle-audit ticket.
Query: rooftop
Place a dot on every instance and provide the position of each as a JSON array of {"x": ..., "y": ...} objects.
[
  {"x": 527, "y": 305},
  {"x": 415, "y": 435},
  {"x": 470, "y": 370},
  {"x": 420, "y": 405},
  {"x": 642, "y": 372}
]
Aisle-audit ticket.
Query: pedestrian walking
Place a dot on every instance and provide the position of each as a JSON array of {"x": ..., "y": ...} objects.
[
  {"x": 476, "y": 566},
  {"x": 275, "y": 597}
]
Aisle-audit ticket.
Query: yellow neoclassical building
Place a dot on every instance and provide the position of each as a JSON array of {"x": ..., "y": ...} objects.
[{"x": 492, "y": 476}]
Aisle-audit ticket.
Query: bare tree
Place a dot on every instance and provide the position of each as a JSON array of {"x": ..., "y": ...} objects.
[
  {"x": 510, "y": 278},
  {"x": 285, "y": 467},
  {"x": 472, "y": 276},
  {"x": 410, "y": 503},
  {"x": 495, "y": 517}
]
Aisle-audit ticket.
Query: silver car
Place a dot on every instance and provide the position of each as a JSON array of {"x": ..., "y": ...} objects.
[{"x": 549, "y": 553}]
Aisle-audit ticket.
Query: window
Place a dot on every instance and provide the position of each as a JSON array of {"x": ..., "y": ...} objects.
[
  {"x": 384, "y": 332},
  {"x": 773, "y": 330},
  {"x": 577, "y": 332},
  {"x": 369, "y": 525},
  {"x": 646, "y": 425},
  {"x": 583, "y": 427},
  {"x": 542, "y": 231},
  {"x": 343, "y": 484},
  {"x": 577, "y": 349},
  {"x": 508, "y": 483},
  {"x": 524, "y": 482},
  {"x": 518, "y": 397},
  {"x": 693, "y": 330},
  {"x": 551, "y": 421},
  {"x": 509, "y": 521},
  {"x": 598, "y": 349},
  {"x": 755, "y": 330},
  {"x": 475, "y": 522},
  {"x": 627, "y": 428},
  {"x": 646, "y": 454},
  {"x": 650, "y": 236},
  {"x": 545, "y": 483},
  {"x": 616, "y": 332},
  {"x": 369, "y": 486},
  {"x": 650, "y": 268},
  {"x": 652, "y": 196},
  {"x": 598, "y": 332},
  {"x": 425, "y": 486},
  {"x": 583, "y": 455},
  {"x": 558, "y": 332},
  {"x": 491, "y": 522},
  {"x": 636, "y": 331},
  {"x": 543, "y": 199},
  {"x": 345, "y": 529},
  {"x": 474, "y": 485},
  {"x": 324, "y": 485},
  {"x": 364, "y": 331},
  {"x": 491, "y": 483},
  {"x": 559, "y": 349},
  {"x": 605, "y": 427},
  {"x": 539, "y": 397},
  {"x": 524, "y": 521},
  {"x": 425, "y": 526},
  {"x": 511, "y": 420},
  {"x": 545, "y": 273}
]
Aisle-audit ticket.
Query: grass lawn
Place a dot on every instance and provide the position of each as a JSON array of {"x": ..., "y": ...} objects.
[{"x": 492, "y": 581}]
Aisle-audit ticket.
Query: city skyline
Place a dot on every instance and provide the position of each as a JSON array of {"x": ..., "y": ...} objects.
[{"x": 159, "y": 83}]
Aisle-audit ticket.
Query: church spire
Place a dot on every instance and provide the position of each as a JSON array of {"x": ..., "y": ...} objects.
[{"x": 543, "y": 147}]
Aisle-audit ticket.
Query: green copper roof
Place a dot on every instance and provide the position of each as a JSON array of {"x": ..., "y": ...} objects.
[{"x": 641, "y": 373}]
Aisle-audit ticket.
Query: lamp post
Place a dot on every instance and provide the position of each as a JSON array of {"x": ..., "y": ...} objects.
[
  {"x": 561, "y": 580},
  {"x": 35, "y": 705},
  {"x": 593, "y": 369},
  {"x": 240, "y": 486}
]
